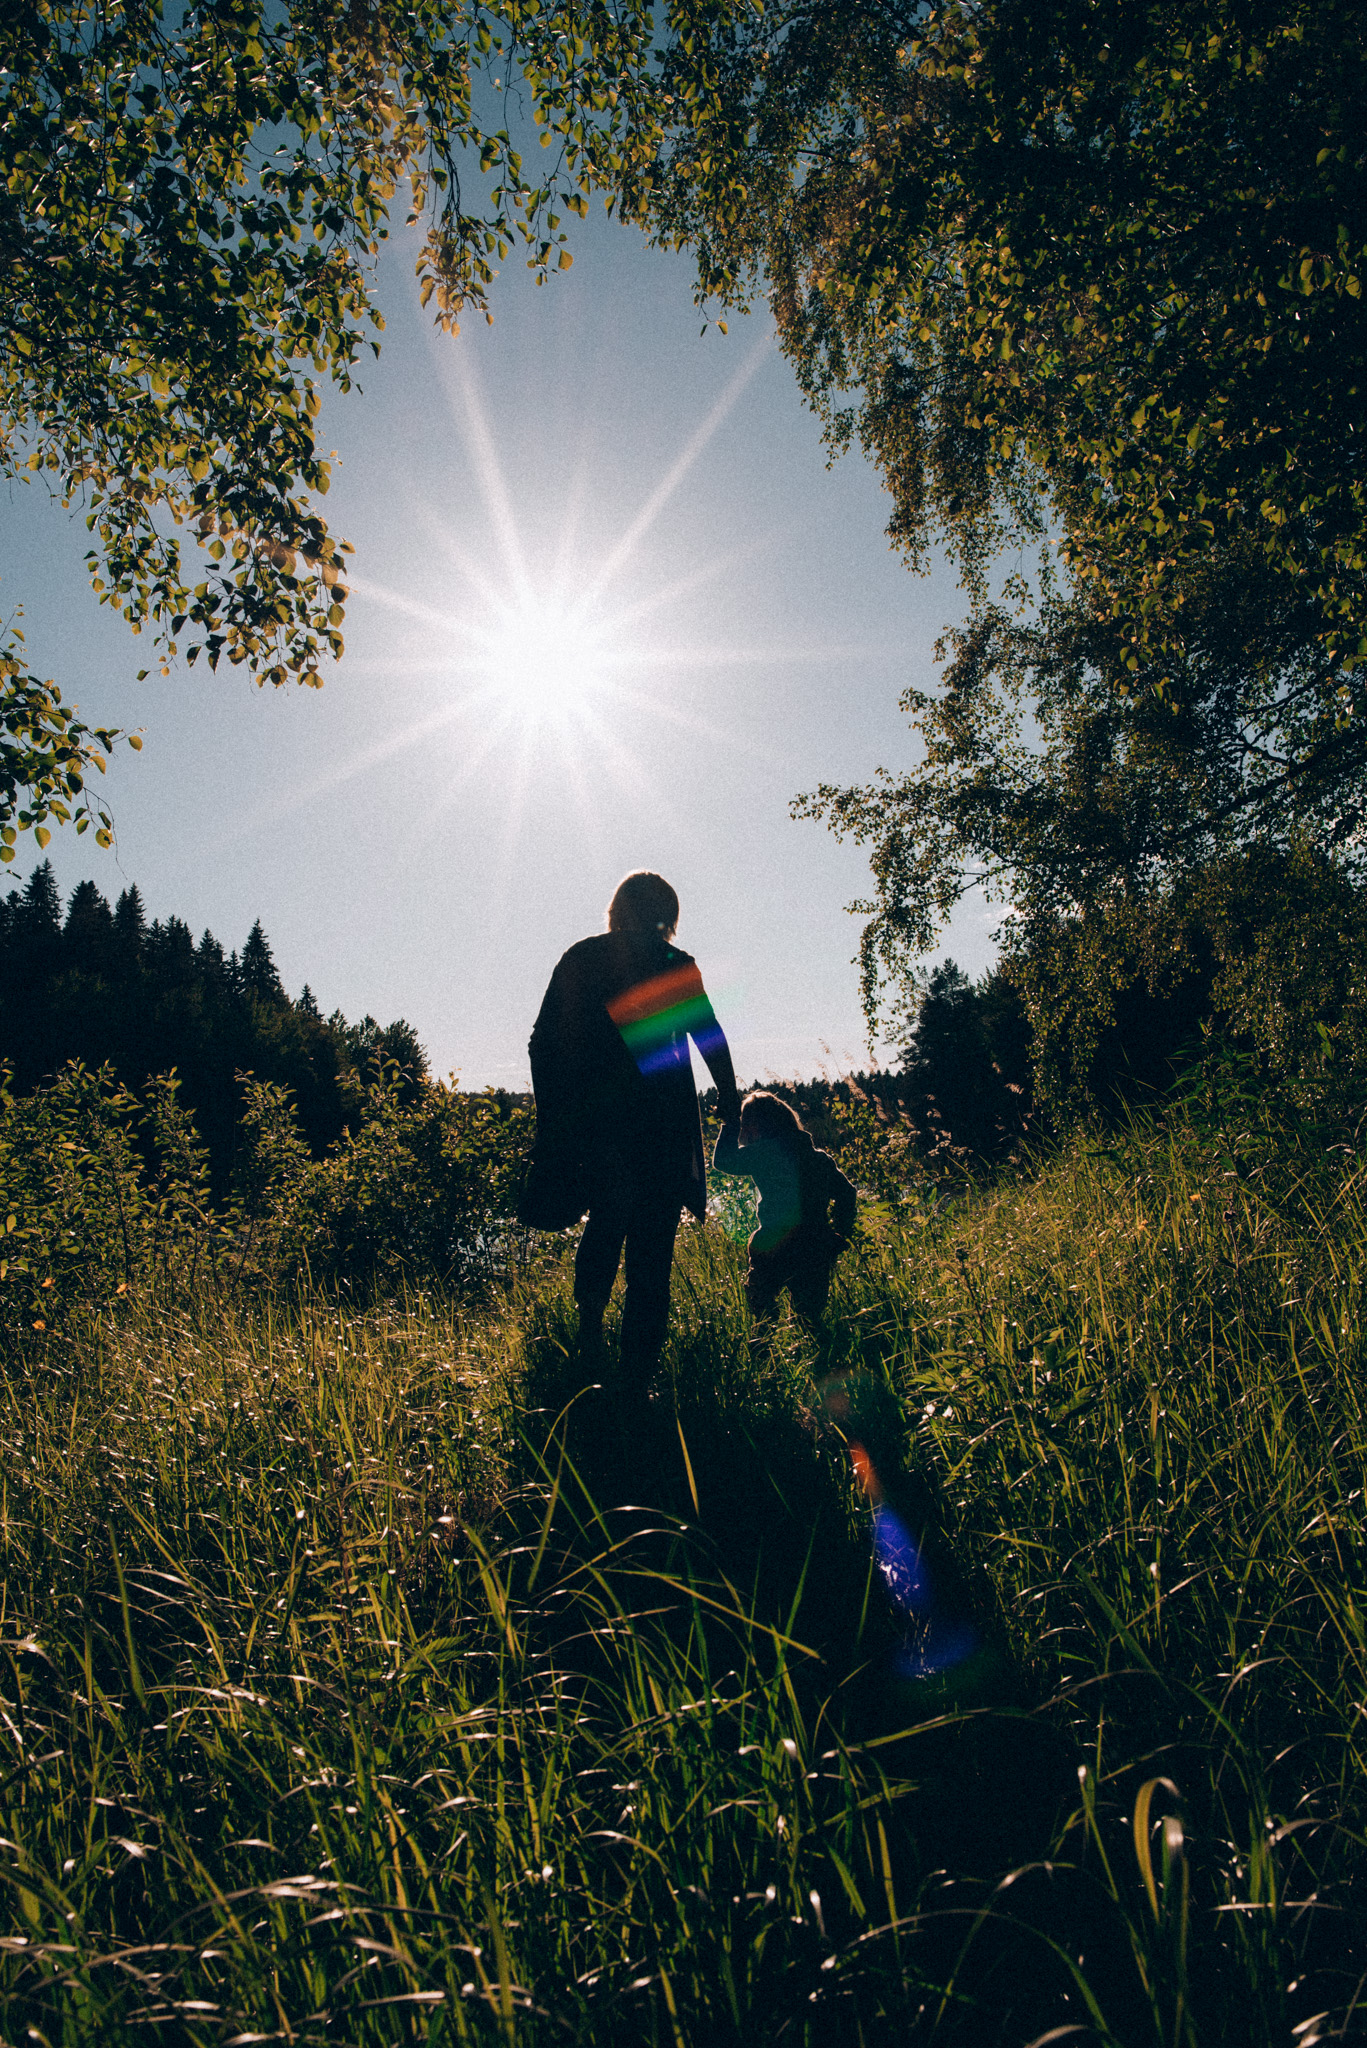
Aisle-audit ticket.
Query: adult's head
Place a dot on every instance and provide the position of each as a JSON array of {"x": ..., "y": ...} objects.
[{"x": 644, "y": 903}]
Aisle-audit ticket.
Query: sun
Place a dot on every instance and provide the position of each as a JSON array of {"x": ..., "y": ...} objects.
[
  {"x": 549, "y": 647},
  {"x": 544, "y": 655}
]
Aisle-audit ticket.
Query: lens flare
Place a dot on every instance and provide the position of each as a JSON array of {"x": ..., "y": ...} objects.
[
  {"x": 904, "y": 1570},
  {"x": 543, "y": 655},
  {"x": 654, "y": 1015},
  {"x": 937, "y": 1639}
]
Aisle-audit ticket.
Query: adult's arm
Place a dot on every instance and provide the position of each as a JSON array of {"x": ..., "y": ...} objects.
[
  {"x": 845, "y": 1201},
  {"x": 710, "y": 1040},
  {"x": 726, "y": 1156}
]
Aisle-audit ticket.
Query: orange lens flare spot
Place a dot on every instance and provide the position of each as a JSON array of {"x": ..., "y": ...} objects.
[{"x": 866, "y": 1472}]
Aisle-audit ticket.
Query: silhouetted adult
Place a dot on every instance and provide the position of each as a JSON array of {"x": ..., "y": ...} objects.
[{"x": 616, "y": 1108}]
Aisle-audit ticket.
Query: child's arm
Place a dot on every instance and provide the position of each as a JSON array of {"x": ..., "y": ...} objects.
[{"x": 726, "y": 1157}]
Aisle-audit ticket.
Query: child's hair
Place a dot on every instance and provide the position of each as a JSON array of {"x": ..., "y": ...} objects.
[{"x": 772, "y": 1117}]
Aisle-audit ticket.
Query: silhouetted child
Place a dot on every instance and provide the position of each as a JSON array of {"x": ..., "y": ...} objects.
[{"x": 798, "y": 1240}]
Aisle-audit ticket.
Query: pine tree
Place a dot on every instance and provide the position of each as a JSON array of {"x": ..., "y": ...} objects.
[
  {"x": 257, "y": 970},
  {"x": 213, "y": 966},
  {"x": 130, "y": 928},
  {"x": 35, "y": 930},
  {"x": 966, "y": 1061},
  {"x": 170, "y": 952},
  {"x": 42, "y": 904},
  {"x": 108, "y": 986},
  {"x": 88, "y": 934}
]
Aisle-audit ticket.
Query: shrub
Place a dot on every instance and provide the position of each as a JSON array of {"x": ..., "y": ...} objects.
[
  {"x": 103, "y": 1193},
  {"x": 423, "y": 1191}
]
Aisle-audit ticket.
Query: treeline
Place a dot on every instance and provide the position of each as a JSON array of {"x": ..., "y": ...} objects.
[
  {"x": 1266, "y": 961},
  {"x": 1258, "y": 963},
  {"x": 961, "y": 1097},
  {"x": 102, "y": 985}
]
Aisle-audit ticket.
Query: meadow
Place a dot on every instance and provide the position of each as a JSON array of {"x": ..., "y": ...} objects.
[{"x": 368, "y": 1678}]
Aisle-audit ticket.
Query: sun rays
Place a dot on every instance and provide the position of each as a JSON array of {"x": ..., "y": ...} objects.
[
  {"x": 526, "y": 655},
  {"x": 546, "y": 648}
]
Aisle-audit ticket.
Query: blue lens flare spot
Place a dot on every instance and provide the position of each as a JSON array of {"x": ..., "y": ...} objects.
[
  {"x": 940, "y": 1650},
  {"x": 936, "y": 1642},
  {"x": 900, "y": 1561}
]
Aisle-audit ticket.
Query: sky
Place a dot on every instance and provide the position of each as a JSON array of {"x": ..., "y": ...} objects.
[{"x": 611, "y": 608}]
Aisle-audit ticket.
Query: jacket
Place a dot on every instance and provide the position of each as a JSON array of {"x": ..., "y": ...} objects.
[
  {"x": 798, "y": 1186},
  {"x": 611, "y": 1070}
]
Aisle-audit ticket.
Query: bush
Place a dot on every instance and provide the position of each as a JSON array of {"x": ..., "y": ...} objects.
[
  {"x": 99, "y": 1193},
  {"x": 424, "y": 1191},
  {"x": 104, "y": 1193}
]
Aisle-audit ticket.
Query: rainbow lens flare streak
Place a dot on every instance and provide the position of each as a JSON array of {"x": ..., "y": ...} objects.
[{"x": 656, "y": 1015}]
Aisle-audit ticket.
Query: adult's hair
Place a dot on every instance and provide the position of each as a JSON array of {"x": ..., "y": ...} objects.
[
  {"x": 772, "y": 1117},
  {"x": 643, "y": 902}
]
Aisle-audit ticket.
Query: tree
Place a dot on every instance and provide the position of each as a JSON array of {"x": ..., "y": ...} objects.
[
  {"x": 170, "y": 954},
  {"x": 107, "y": 988},
  {"x": 967, "y": 1063},
  {"x": 89, "y": 931},
  {"x": 1085, "y": 272},
  {"x": 1064, "y": 783},
  {"x": 190, "y": 198},
  {"x": 39, "y": 915},
  {"x": 1090, "y": 274},
  {"x": 1264, "y": 952},
  {"x": 130, "y": 927},
  {"x": 1083, "y": 262},
  {"x": 388, "y": 1053},
  {"x": 1155, "y": 855},
  {"x": 258, "y": 975}
]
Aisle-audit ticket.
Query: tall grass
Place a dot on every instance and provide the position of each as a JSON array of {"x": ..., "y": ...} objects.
[{"x": 369, "y": 1678}]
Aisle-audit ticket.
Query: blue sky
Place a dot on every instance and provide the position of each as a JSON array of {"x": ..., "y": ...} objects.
[{"x": 424, "y": 836}]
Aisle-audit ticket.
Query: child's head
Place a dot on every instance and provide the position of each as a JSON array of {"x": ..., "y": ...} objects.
[{"x": 763, "y": 1115}]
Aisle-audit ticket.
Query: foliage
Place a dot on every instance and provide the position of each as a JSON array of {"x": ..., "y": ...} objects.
[
  {"x": 105, "y": 987},
  {"x": 1063, "y": 785},
  {"x": 423, "y": 1191},
  {"x": 347, "y": 1696},
  {"x": 1161, "y": 860},
  {"x": 967, "y": 1063},
  {"x": 1265, "y": 951},
  {"x": 100, "y": 1193},
  {"x": 961, "y": 1102},
  {"x": 1087, "y": 278},
  {"x": 105, "y": 1196},
  {"x": 190, "y": 201},
  {"x": 1083, "y": 263},
  {"x": 45, "y": 754}
]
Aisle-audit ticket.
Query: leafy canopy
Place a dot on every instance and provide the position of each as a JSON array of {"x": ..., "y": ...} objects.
[
  {"x": 1063, "y": 784},
  {"x": 1084, "y": 275},
  {"x": 191, "y": 195},
  {"x": 1090, "y": 262}
]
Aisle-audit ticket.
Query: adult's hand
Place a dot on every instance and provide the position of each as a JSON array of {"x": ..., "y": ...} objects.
[{"x": 718, "y": 1058}]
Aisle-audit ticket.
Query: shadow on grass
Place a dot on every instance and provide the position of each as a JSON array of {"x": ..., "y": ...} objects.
[{"x": 729, "y": 1473}]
